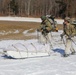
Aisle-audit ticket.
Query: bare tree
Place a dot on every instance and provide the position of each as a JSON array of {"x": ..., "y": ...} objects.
[{"x": 40, "y": 7}]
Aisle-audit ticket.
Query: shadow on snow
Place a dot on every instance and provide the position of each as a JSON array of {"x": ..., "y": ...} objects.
[{"x": 61, "y": 51}]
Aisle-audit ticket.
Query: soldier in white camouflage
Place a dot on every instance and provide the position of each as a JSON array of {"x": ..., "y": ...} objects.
[
  {"x": 45, "y": 29},
  {"x": 68, "y": 31}
]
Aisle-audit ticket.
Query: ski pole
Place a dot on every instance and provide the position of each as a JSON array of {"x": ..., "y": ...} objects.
[
  {"x": 73, "y": 41},
  {"x": 63, "y": 41}
]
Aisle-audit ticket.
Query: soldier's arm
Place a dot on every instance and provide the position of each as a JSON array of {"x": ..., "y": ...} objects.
[
  {"x": 69, "y": 32},
  {"x": 72, "y": 30},
  {"x": 40, "y": 27}
]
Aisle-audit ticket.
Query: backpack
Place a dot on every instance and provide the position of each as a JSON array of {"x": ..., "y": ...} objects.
[
  {"x": 73, "y": 23},
  {"x": 53, "y": 23}
]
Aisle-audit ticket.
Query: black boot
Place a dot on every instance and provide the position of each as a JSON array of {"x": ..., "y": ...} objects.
[
  {"x": 73, "y": 53},
  {"x": 66, "y": 55}
]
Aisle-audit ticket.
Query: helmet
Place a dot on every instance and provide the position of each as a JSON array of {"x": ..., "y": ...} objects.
[
  {"x": 67, "y": 19},
  {"x": 43, "y": 17}
]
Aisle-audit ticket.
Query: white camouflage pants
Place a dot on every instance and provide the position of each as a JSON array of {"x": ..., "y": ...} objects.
[
  {"x": 45, "y": 39},
  {"x": 69, "y": 47}
]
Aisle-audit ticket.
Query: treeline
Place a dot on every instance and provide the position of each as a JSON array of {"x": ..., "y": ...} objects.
[{"x": 36, "y": 8}]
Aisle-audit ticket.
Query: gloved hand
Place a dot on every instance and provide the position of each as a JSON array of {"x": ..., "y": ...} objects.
[{"x": 69, "y": 36}]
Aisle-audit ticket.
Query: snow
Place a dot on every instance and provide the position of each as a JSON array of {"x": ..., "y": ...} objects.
[
  {"x": 26, "y": 19},
  {"x": 9, "y": 32},
  {"x": 54, "y": 64}
]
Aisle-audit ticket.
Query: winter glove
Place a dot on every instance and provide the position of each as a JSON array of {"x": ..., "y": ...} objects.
[{"x": 69, "y": 36}]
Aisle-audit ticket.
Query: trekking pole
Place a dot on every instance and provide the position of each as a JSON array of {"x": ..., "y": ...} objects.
[
  {"x": 73, "y": 41},
  {"x": 63, "y": 41}
]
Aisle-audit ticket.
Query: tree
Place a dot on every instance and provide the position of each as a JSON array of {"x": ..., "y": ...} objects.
[
  {"x": 62, "y": 8},
  {"x": 13, "y": 6},
  {"x": 59, "y": 8}
]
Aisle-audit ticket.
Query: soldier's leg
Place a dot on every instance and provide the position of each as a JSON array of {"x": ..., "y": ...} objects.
[
  {"x": 49, "y": 39},
  {"x": 72, "y": 49},
  {"x": 42, "y": 39},
  {"x": 67, "y": 47}
]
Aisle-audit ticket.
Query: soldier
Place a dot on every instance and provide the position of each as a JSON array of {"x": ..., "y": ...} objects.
[
  {"x": 45, "y": 29},
  {"x": 68, "y": 31}
]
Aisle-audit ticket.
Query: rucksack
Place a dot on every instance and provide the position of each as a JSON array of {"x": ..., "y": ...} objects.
[
  {"x": 53, "y": 23},
  {"x": 73, "y": 23}
]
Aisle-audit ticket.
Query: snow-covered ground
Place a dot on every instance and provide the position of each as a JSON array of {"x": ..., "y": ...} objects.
[
  {"x": 9, "y": 18},
  {"x": 54, "y": 64}
]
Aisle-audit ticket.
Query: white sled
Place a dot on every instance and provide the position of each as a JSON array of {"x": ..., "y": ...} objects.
[
  {"x": 16, "y": 54},
  {"x": 27, "y": 50}
]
